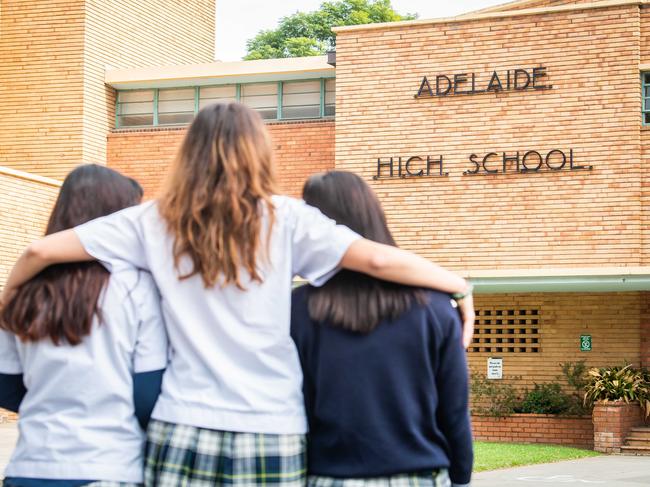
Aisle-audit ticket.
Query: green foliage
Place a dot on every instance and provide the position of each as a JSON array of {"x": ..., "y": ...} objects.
[
  {"x": 575, "y": 374},
  {"x": 619, "y": 383},
  {"x": 310, "y": 33},
  {"x": 545, "y": 399},
  {"x": 492, "y": 398}
]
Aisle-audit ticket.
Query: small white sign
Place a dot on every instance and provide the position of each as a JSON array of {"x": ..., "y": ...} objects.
[{"x": 495, "y": 368}]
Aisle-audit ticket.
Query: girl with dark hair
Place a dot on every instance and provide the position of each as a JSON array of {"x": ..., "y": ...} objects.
[
  {"x": 385, "y": 376},
  {"x": 223, "y": 248},
  {"x": 82, "y": 353}
]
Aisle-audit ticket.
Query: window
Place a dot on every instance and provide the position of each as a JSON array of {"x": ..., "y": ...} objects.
[
  {"x": 278, "y": 100},
  {"x": 507, "y": 330},
  {"x": 330, "y": 97},
  {"x": 301, "y": 99},
  {"x": 646, "y": 98},
  {"x": 263, "y": 97},
  {"x": 216, "y": 94},
  {"x": 175, "y": 106},
  {"x": 135, "y": 108}
]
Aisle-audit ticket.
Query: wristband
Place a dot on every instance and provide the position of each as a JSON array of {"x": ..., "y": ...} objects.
[{"x": 468, "y": 292}]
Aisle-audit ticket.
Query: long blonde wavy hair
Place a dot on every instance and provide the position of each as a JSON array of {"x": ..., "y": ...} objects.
[{"x": 217, "y": 193}]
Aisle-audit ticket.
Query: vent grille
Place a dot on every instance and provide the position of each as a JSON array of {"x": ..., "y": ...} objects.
[{"x": 507, "y": 330}]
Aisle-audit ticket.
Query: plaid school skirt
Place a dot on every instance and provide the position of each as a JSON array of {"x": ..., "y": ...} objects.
[
  {"x": 435, "y": 479},
  {"x": 181, "y": 455}
]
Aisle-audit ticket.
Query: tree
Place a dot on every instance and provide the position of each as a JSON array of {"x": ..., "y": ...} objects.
[{"x": 310, "y": 34}]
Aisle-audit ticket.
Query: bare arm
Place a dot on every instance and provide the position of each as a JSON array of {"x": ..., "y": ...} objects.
[
  {"x": 57, "y": 248},
  {"x": 397, "y": 265}
]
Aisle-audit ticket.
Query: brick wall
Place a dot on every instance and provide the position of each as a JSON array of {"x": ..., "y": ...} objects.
[
  {"x": 520, "y": 5},
  {"x": 301, "y": 149},
  {"x": 535, "y": 428},
  {"x": 644, "y": 344},
  {"x": 7, "y": 416},
  {"x": 645, "y": 33},
  {"x": 41, "y": 82},
  {"x": 612, "y": 319},
  {"x": 546, "y": 219},
  {"x": 123, "y": 34},
  {"x": 612, "y": 423},
  {"x": 25, "y": 205},
  {"x": 54, "y": 107},
  {"x": 645, "y": 195}
]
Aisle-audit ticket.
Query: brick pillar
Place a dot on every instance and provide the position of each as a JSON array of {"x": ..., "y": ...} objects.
[
  {"x": 645, "y": 330},
  {"x": 612, "y": 424}
]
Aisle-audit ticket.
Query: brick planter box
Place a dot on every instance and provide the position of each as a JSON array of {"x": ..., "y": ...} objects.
[
  {"x": 536, "y": 428},
  {"x": 612, "y": 423}
]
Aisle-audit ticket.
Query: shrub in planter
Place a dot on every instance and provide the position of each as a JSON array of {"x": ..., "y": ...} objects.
[
  {"x": 545, "y": 399},
  {"x": 576, "y": 376},
  {"x": 492, "y": 398},
  {"x": 619, "y": 384}
]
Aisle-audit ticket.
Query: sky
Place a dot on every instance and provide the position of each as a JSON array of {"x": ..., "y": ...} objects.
[{"x": 239, "y": 20}]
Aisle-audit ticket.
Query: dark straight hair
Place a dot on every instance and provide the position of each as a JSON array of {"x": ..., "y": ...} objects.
[
  {"x": 61, "y": 302},
  {"x": 352, "y": 300}
]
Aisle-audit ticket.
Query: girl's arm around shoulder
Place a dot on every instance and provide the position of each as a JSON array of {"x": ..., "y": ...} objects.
[
  {"x": 321, "y": 247},
  {"x": 397, "y": 265},
  {"x": 111, "y": 239},
  {"x": 57, "y": 248}
]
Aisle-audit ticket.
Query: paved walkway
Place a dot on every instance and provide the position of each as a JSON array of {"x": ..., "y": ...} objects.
[
  {"x": 8, "y": 436},
  {"x": 603, "y": 471}
]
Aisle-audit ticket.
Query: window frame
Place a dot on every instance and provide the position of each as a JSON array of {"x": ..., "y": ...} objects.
[
  {"x": 645, "y": 85},
  {"x": 118, "y": 105},
  {"x": 157, "y": 107},
  {"x": 238, "y": 97},
  {"x": 320, "y": 104}
]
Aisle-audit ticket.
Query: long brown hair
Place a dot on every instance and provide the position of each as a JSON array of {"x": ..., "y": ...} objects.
[
  {"x": 61, "y": 301},
  {"x": 217, "y": 192},
  {"x": 352, "y": 300}
]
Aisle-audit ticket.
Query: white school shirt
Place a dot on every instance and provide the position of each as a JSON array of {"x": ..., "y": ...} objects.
[
  {"x": 233, "y": 365},
  {"x": 77, "y": 419}
]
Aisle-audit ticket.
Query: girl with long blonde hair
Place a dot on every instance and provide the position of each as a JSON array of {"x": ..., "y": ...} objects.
[{"x": 223, "y": 248}]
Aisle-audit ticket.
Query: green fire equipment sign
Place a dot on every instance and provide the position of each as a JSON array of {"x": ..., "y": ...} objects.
[{"x": 585, "y": 343}]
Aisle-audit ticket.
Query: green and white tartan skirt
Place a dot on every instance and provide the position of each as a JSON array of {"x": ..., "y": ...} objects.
[
  {"x": 434, "y": 479},
  {"x": 181, "y": 455}
]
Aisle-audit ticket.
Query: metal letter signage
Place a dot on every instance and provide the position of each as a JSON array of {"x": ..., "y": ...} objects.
[
  {"x": 519, "y": 79},
  {"x": 489, "y": 164}
]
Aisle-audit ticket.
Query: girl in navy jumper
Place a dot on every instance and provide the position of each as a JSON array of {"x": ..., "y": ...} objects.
[{"x": 385, "y": 375}]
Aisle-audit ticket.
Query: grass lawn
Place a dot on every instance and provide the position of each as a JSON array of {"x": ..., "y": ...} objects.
[{"x": 491, "y": 456}]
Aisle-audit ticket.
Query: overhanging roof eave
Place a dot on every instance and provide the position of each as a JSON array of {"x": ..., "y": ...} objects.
[{"x": 633, "y": 279}]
